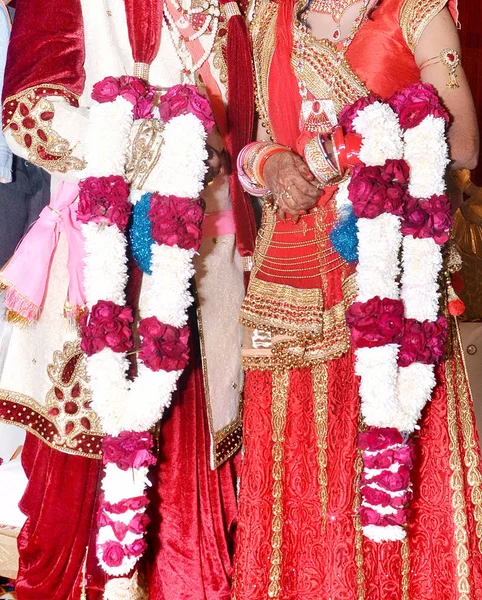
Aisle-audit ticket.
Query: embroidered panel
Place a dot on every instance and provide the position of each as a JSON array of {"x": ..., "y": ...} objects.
[{"x": 415, "y": 15}]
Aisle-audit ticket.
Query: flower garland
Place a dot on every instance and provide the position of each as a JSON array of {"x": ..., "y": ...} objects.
[
  {"x": 396, "y": 192},
  {"x": 128, "y": 409}
]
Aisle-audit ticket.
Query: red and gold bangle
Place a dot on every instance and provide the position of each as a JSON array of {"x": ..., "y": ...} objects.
[{"x": 263, "y": 157}]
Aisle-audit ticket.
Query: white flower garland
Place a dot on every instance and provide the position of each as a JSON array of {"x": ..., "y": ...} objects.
[
  {"x": 391, "y": 396},
  {"x": 120, "y": 404}
]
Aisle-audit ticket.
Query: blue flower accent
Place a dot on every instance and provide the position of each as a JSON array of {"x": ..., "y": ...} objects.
[
  {"x": 344, "y": 237},
  {"x": 140, "y": 234}
]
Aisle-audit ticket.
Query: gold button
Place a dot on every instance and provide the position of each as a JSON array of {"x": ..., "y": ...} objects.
[{"x": 471, "y": 349}]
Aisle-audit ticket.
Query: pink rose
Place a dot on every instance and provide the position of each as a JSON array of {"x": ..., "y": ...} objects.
[
  {"x": 143, "y": 109},
  {"x": 167, "y": 350},
  {"x": 394, "y": 482},
  {"x": 107, "y": 325},
  {"x": 112, "y": 553},
  {"x": 349, "y": 113},
  {"x": 413, "y": 345},
  {"x": 176, "y": 221},
  {"x": 378, "y": 438},
  {"x": 375, "y": 496},
  {"x": 376, "y": 322},
  {"x": 137, "y": 548},
  {"x": 439, "y": 218},
  {"x": 415, "y": 218},
  {"x": 415, "y": 102},
  {"x": 104, "y": 200},
  {"x": 135, "y": 503},
  {"x": 132, "y": 89},
  {"x": 436, "y": 335},
  {"x": 106, "y": 90},
  {"x": 368, "y": 191},
  {"x": 138, "y": 523},
  {"x": 396, "y": 171},
  {"x": 184, "y": 99}
]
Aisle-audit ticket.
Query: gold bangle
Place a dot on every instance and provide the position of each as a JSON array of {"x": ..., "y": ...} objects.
[
  {"x": 451, "y": 60},
  {"x": 319, "y": 163}
]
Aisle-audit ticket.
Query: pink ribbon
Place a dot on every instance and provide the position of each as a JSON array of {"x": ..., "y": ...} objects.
[
  {"x": 26, "y": 275},
  {"x": 218, "y": 223}
]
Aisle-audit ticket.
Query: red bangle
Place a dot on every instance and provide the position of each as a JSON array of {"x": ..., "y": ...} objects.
[
  {"x": 339, "y": 148},
  {"x": 266, "y": 154},
  {"x": 353, "y": 143}
]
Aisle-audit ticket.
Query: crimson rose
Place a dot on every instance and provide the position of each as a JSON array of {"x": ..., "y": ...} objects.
[
  {"x": 378, "y": 438},
  {"x": 104, "y": 200},
  {"x": 108, "y": 325},
  {"x": 118, "y": 508},
  {"x": 376, "y": 322},
  {"x": 176, "y": 221},
  {"x": 129, "y": 449},
  {"x": 368, "y": 191},
  {"x": 416, "y": 102},
  {"x": 372, "y": 517},
  {"x": 185, "y": 99},
  {"x": 163, "y": 346},
  {"x": 112, "y": 553}
]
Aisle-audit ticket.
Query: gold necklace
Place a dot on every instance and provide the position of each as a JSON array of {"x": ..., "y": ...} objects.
[{"x": 335, "y": 8}]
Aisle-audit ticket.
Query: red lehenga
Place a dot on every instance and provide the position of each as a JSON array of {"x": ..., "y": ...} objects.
[{"x": 299, "y": 536}]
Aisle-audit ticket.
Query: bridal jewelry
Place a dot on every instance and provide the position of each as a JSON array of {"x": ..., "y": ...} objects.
[
  {"x": 450, "y": 59},
  {"x": 335, "y": 8}
]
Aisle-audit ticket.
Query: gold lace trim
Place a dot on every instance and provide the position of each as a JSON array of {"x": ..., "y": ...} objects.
[
  {"x": 320, "y": 396},
  {"x": 66, "y": 422},
  {"x": 405, "y": 552},
  {"x": 457, "y": 485},
  {"x": 471, "y": 449},
  {"x": 415, "y": 15},
  {"x": 145, "y": 152},
  {"x": 219, "y": 47},
  {"x": 263, "y": 34},
  {"x": 359, "y": 556},
  {"x": 28, "y": 117},
  {"x": 281, "y": 380},
  {"x": 320, "y": 61}
]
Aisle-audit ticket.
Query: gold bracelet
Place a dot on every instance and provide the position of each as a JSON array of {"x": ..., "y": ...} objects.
[
  {"x": 451, "y": 60},
  {"x": 319, "y": 163}
]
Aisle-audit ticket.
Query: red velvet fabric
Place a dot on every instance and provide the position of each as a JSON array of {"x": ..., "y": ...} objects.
[
  {"x": 42, "y": 30},
  {"x": 59, "y": 504},
  {"x": 144, "y": 24},
  {"x": 193, "y": 507}
]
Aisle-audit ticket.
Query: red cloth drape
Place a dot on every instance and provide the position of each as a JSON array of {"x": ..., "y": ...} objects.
[
  {"x": 59, "y": 503},
  {"x": 46, "y": 46},
  {"x": 144, "y": 26},
  {"x": 471, "y": 38},
  {"x": 193, "y": 507}
]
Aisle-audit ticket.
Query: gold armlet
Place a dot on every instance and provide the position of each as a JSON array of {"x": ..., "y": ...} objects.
[{"x": 451, "y": 60}]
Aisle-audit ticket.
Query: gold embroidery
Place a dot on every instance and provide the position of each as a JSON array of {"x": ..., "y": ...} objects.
[
  {"x": 359, "y": 559},
  {"x": 281, "y": 379},
  {"x": 405, "y": 552},
  {"x": 263, "y": 34},
  {"x": 457, "y": 485},
  {"x": 320, "y": 396},
  {"x": 228, "y": 440},
  {"x": 415, "y": 15},
  {"x": 219, "y": 52},
  {"x": 320, "y": 60},
  {"x": 28, "y": 116},
  {"x": 145, "y": 152},
  {"x": 66, "y": 422},
  {"x": 471, "y": 455}
]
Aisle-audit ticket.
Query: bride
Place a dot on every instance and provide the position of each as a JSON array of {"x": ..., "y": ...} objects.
[{"x": 317, "y": 519}]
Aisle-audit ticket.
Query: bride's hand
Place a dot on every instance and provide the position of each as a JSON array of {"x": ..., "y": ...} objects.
[{"x": 291, "y": 183}]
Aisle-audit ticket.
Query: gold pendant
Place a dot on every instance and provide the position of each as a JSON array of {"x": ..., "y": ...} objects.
[{"x": 318, "y": 116}]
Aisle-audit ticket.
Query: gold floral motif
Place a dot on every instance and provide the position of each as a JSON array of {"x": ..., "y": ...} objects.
[
  {"x": 68, "y": 401},
  {"x": 415, "y": 15},
  {"x": 457, "y": 485},
  {"x": 145, "y": 152},
  {"x": 320, "y": 65},
  {"x": 28, "y": 117},
  {"x": 359, "y": 559},
  {"x": 405, "y": 552},
  {"x": 219, "y": 56},
  {"x": 263, "y": 34},
  {"x": 281, "y": 379},
  {"x": 66, "y": 422},
  {"x": 471, "y": 450},
  {"x": 320, "y": 396}
]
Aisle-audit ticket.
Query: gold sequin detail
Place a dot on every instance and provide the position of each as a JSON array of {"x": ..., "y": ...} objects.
[
  {"x": 359, "y": 558},
  {"x": 405, "y": 552},
  {"x": 320, "y": 396},
  {"x": 415, "y": 15},
  {"x": 281, "y": 379},
  {"x": 457, "y": 485},
  {"x": 471, "y": 449}
]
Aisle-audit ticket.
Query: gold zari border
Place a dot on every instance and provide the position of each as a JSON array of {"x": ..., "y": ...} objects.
[
  {"x": 415, "y": 15},
  {"x": 320, "y": 397},
  {"x": 281, "y": 380},
  {"x": 457, "y": 485}
]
